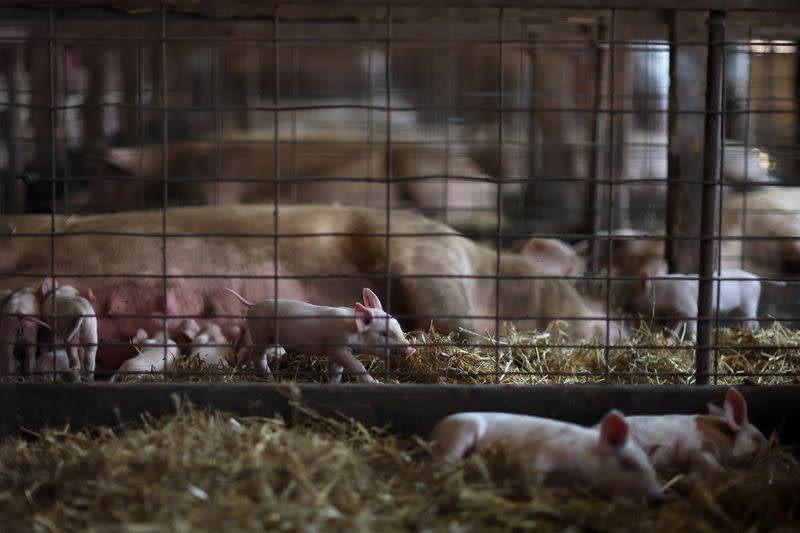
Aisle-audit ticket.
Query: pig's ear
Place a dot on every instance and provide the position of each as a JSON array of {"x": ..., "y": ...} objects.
[
  {"x": 48, "y": 285},
  {"x": 141, "y": 336},
  {"x": 89, "y": 295},
  {"x": 735, "y": 409},
  {"x": 582, "y": 248},
  {"x": 715, "y": 410},
  {"x": 533, "y": 247},
  {"x": 371, "y": 299},
  {"x": 613, "y": 430},
  {"x": 364, "y": 317}
]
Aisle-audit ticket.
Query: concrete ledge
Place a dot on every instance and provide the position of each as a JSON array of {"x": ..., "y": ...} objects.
[{"x": 404, "y": 408}]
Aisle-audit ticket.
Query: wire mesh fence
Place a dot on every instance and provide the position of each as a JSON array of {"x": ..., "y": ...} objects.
[{"x": 527, "y": 194}]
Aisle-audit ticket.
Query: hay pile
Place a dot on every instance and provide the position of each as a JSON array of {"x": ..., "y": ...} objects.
[
  {"x": 214, "y": 472},
  {"x": 766, "y": 356}
]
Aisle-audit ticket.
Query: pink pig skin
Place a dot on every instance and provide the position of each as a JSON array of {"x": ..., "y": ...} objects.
[{"x": 335, "y": 332}]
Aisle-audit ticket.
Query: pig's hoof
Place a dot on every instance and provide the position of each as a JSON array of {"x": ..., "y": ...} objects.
[{"x": 73, "y": 375}]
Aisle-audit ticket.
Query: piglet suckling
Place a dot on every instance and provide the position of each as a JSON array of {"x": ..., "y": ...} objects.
[
  {"x": 674, "y": 297},
  {"x": 69, "y": 311},
  {"x": 337, "y": 333},
  {"x": 724, "y": 437},
  {"x": 211, "y": 346},
  {"x": 152, "y": 355},
  {"x": 560, "y": 453},
  {"x": 19, "y": 325}
]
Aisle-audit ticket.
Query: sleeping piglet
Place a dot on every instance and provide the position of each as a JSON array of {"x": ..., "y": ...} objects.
[
  {"x": 675, "y": 297},
  {"x": 335, "y": 332},
  {"x": 151, "y": 356},
  {"x": 724, "y": 437},
  {"x": 562, "y": 454},
  {"x": 70, "y": 313}
]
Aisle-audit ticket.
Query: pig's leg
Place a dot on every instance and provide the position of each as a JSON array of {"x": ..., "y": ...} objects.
[
  {"x": 7, "y": 359},
  {"x": 353, "y": 366},
  {"x": 258, "y": 357},
  {"x": 334, "y": 372},
  {"x": 90, "y": 359},
  {"x": 750, "y": 297},
  {"x": 74, "y": 356},
  {"x": 30, "y": 359},
  {"x": 705, "y": 462}
]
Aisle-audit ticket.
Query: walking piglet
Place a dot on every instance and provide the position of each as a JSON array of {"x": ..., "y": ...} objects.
[
  {"x": 675, "y": 298},
  {"x": 337, "y": 333}
]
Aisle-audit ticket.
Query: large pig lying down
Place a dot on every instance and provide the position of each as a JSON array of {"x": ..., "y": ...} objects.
[
  {"x": 210, "y": 248},
  {"x": 559, "y": 453}
]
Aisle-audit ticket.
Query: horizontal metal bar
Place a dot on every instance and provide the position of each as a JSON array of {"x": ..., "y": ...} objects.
[
  {"x": 506, "y": 109},
  {"x": 266, "y": 8},
  {"x": 405, "y": 409},
  {"x": 633, "y": 44}
]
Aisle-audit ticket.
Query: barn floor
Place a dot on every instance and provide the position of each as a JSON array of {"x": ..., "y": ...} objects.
[{"x": 196, "y": 471}]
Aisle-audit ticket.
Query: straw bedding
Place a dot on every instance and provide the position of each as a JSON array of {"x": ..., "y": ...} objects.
[
  {"x": 765, "y": 356},
  {"x": 199, "y": 471}
]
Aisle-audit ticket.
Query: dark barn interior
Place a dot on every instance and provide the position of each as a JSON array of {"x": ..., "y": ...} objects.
[{"x": 585, "y": 212}]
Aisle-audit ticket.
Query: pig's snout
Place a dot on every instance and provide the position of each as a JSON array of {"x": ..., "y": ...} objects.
[{"x": 401, "y": 353}]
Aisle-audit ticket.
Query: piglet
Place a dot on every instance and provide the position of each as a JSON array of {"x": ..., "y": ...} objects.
[
  {"x": 19, "y": 324},
  {"x": 151, "y": 356},
  {"x": 52, "y": 361},
  {"x": 211, "y": 346},
  {"x": 562, "y": 454},
  {"x": 186, "y": 332},
  {"x": 74, "y": 323},
  {"x": 724, "y": 437},
  {"x": 675, "y": 297},
  {"x": 335, "y": 332}
]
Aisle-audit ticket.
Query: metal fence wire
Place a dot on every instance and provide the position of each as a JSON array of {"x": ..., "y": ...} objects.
[{"x": 537, "y": 193}]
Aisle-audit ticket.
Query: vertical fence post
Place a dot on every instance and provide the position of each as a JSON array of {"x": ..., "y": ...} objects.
[
  {"x": 712, "y": 168},
  {"x": 598, "y": 130}
]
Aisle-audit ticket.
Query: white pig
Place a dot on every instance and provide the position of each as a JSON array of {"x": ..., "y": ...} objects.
[
  {"x": 74, "y": 322},
  {"x": 54, "y": 360},
  {"x": 335, "y": 332},
  {"x": 212, "y": 347},
  {"x": 19, "y": 324},
  {"x": 675, "y": 297},
  {"x": 151, "y": 356},
  {"x": 187, "y": 331},
  {"x": 561, "y": 453},
  {"x": 552, "y": 256},
  {"x": 724, "y": 437}
]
